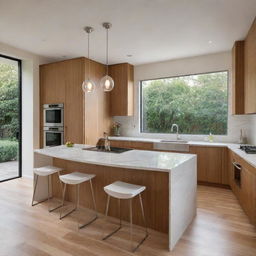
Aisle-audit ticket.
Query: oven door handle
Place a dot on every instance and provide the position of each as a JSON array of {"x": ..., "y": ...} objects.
[{"x": 237, "y": 166}]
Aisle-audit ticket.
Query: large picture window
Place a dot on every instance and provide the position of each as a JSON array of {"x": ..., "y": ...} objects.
[{"x": 197, "y": 103}]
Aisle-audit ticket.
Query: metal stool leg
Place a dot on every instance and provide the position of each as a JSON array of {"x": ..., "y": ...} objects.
[
  {"x": 94, "y": 205},
  {"x": 120, "y": 223},
  {"x": 60, "y": 205},
  {"x": 145, "y": 224},
  {"x": 63, "y": 199},
  {"x": 34, "y": 192},
  {"x": 131, "y": 235}
]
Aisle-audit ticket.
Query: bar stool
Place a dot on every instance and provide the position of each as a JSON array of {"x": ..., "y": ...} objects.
[
  {"x": 76, "y": 178},
  {"x": 122, "y": 190},
  {"x": 44, "y": 171}
]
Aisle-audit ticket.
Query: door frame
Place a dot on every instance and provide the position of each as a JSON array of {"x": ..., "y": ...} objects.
[{"x": 20, "y": 114}]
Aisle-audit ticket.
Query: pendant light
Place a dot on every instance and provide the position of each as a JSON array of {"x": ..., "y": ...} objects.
[
  {"x": 88, "y": 85},
  {"x": 106, "y": 82}
]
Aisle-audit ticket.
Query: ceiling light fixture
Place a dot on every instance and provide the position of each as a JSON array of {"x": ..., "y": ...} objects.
[
  {"x": 88, "y": 85},
  {"x": 106, "y": 82}
]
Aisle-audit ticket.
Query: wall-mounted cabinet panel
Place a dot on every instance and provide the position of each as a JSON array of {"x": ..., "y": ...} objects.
[
  {"x": 121, "y": 97},
  {"x": 250, "y": 70},
  {"x": 238, "y": 78}
]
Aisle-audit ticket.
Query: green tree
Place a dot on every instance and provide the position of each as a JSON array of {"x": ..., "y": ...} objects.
[
  {"x": 9, "y": 100},
  {"x": 198, "y": 104}
]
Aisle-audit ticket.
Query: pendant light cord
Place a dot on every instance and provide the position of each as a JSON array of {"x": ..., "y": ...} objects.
[
  {"x": 88, "y": 54},
  {"x": 107, "y": 51}
]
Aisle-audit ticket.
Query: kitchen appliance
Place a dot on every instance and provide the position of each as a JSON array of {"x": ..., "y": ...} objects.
[
  {"x": 53, "y": 136},
  {"x": 248, "y": 149},
  {"x": 54, "y": 115},
  {"x": 112, "y": 149}
]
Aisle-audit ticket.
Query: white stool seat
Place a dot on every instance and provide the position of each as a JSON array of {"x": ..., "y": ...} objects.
[
  {"x": 46, "y": 170},
  {"x": 75, "y": 178},
  {"x": 123, "y": 190}
]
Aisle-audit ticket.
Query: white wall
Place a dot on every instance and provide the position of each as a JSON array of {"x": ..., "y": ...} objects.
[
  {"x": 199, "y": 64},
  {"x": 30, "y": 102}
]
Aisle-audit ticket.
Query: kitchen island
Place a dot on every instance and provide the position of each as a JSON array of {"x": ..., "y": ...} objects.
[{"x": 170, "y": 180}]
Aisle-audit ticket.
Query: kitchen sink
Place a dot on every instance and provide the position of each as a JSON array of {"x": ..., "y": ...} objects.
[
  {"x": 112, "y": 149},
  {"x": 171, "y": 145}
]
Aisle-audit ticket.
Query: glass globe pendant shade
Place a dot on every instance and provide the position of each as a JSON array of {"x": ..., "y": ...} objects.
[
  {"x": 107, "y": 83},
  {"x": 88, "y": 86}
]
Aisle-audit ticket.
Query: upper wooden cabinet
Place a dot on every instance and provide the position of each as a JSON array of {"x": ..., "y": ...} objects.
[
  {"x": 250, "y": 70},
  {"x": 238, "y": 78},
  {"x": 244, "y": 74},
  {"x": 121, "y": 97}
]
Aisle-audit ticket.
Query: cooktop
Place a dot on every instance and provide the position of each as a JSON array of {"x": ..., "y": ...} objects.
[{"x": 248, "y": 149}]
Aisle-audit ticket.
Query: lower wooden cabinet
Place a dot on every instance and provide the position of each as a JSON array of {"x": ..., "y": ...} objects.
[
  {"x": 132, "y": 144},
  {"x": 211, "y": 161},
  {"x": 211, "y": 164},
  {"x": 242, "y": 179}
]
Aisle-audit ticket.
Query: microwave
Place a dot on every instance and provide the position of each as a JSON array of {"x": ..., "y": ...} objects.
[
  {"x": 53, "y": 115},
  {"x": 53, "y": 136}
]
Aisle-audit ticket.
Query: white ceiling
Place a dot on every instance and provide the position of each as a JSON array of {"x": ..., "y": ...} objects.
[{"x": 150, "y": 30}]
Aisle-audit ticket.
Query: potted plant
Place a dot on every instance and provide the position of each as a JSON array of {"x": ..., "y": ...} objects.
[{"x": 116, "y": 128}]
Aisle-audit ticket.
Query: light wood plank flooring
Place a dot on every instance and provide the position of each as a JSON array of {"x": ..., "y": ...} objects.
[{"x": 220, "y": 229}]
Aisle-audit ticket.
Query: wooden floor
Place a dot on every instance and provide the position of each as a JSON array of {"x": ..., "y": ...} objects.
[{"x": 220, "y": 228}]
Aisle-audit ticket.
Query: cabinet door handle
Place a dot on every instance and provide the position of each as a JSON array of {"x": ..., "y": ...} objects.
[{"x": 238, "y": 166}]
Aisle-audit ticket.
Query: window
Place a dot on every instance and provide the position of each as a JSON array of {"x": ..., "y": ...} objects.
[{"x": 197, "y": 103}]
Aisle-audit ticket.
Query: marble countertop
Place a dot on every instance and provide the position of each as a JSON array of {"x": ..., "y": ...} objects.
[
  {"x": 250, "y": 158},
  {"x": 133, "y": 159},
  {"x": 196, "y": 143}
]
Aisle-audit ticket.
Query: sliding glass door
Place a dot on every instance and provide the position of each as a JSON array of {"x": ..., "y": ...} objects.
[{"x": 10, "y": 118}]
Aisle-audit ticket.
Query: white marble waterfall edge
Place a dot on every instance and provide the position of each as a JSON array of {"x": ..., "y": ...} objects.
[{"x": 182, "y": 199}]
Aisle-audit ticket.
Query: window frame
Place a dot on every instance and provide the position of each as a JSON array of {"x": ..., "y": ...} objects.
[
  {"x": 19, "y": 62},
  {"x": 176, "y": 76}
]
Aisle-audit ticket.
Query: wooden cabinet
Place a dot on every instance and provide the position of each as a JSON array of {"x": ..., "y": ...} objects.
[
  {"x": 211, "y": 164},
  {"x": 86, "y": 116},
  {"x": 250, "y": 70},
  {"x": 121, "y": 97},
  {"x": 132, "y": 144},
  {"x": 244, "y": 74},
  {"x": 243, "y": 184},
  {"x": 238, "y": 78}
]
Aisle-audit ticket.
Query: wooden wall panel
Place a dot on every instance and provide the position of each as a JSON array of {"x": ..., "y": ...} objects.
[
  {"x": 155, "y": 197},
  {"x": 97, "y": 116},
  {"x": 74, "y": 101},
  {"x": 250, "y": 70},
  {"x": 86, "y": 116},
  {"x": 121, "y": 97},
  {"x": 238, "y": 97}
]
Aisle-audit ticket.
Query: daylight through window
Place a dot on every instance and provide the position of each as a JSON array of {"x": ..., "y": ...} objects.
[{"x": 197, "y": 103}]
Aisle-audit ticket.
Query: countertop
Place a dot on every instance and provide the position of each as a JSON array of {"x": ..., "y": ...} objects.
[
  {"x": 133, "y": 159},
  {"x": 250, "y": 158},
  {"x": 196, "y": 143}
]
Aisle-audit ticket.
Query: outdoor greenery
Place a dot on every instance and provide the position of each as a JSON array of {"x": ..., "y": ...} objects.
[
  {"x": 197, "y": 103},
  {"x": 8, "y": 150},
  {"x": 8, "y": 100}
]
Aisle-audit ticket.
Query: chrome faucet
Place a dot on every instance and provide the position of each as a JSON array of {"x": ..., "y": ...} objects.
[{"x": 177, "y": 130}]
